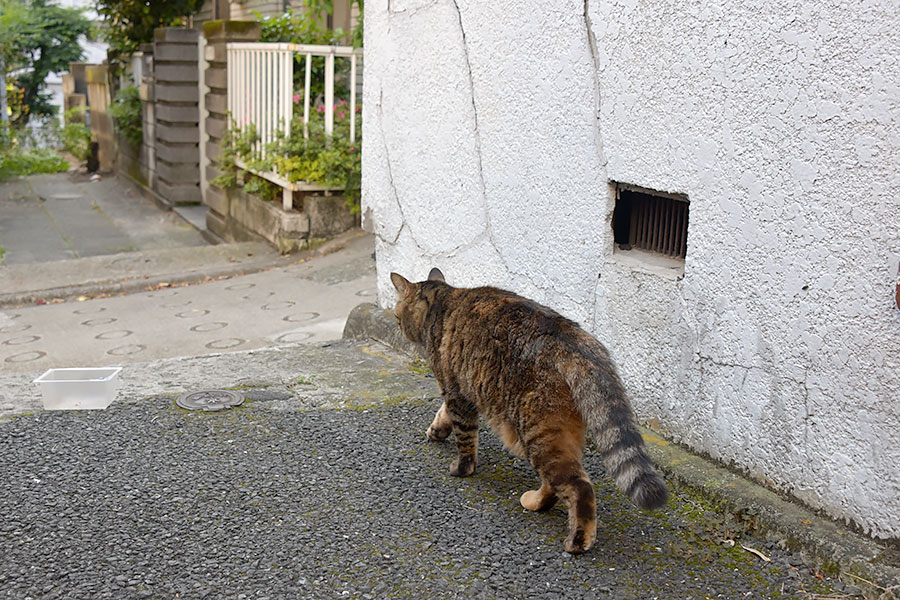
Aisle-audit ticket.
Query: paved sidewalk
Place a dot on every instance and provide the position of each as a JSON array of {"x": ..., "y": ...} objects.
[
  {"x": 63, "y": 216},
  {"x": 129, "y": 272},
  {"x": 302, "y": 302}
]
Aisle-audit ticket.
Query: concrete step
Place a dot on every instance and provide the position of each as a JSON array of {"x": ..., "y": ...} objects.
[{"x": 125, "y": 272}]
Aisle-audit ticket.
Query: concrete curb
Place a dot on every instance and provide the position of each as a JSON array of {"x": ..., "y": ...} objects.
[
  {"x": 368, "y": 321},
  {"x": 825, "y": 543},
  {"x": 99, "y": 275},
  {"x": 94, "y": 282}
]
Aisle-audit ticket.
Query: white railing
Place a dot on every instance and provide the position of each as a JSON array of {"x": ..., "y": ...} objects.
[{"x": 261, "y": 90}]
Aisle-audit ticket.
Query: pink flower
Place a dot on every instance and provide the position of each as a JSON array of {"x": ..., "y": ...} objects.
[
  {"x": 296, "y": 98},
  {"x": 340, "y": 114},
  {"x": 321, "y": 109}
]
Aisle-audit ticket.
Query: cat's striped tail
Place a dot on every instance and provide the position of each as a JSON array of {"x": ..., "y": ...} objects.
[{"x": 600, "y": 397}]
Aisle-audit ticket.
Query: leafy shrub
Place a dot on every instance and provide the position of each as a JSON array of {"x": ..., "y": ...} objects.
[
  {"x": 304, "y": 28},
  {"x": 76, "y": 137},
  {"x": 15, "y": 161},
  {"x": 332, "y": 161},
  {"x": 126, "y": 114},
  {"x": 21, "y": 154}
]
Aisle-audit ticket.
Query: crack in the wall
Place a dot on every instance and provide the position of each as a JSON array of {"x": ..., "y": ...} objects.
[
  {"x": 799, "y": 382},
  {"x": 390, "y": 173},
  {"x": 488, "y": 230},
  {"x": 595, "y": 60},
  {"x": 598, "y": 140},
  {"x": 412, "y": 11},
  {"x": 720, "y": 363},
  {"x": 594, "y": 305},
  {"x": 690, "y": 321},
  {"x": 806, "y": 417}
]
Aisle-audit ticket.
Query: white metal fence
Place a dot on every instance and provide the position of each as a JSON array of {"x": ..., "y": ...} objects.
[{"x": 261, "y": 86}]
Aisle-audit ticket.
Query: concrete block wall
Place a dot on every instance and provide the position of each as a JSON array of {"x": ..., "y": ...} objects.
[
  {"x": 176, "y": 116},
  {"x": 219, "y": 33},
  {"x": 148, "y": 112}
]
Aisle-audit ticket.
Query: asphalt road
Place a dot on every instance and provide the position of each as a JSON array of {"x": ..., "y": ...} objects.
[{"x": 287, "y": 497}]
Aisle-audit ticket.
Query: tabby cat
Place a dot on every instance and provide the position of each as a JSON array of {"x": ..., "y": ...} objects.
[{"x": 540, "y": 381}]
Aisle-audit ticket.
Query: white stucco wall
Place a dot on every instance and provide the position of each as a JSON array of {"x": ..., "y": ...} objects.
[{"x": 493, "y": 130}]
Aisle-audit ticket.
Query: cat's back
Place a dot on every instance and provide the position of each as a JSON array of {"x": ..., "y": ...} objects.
[{"x": 503, "y": 320}]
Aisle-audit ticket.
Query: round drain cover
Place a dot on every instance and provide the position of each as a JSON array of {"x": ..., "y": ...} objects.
[{"x": 209, "y": 400}]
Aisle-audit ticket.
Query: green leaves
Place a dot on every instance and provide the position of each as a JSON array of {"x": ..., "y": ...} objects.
[
  {"x": 38, "y": 38},
  {"x": 332, "y": 161},
  {"x": 29, "y": 162},
  {"x": 130, "y": 23},
  {"x": 76, "y": 137},
  {"x": 126, "y": 113}
]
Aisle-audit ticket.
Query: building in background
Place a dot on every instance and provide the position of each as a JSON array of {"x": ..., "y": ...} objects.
[
  {"x": 94, "y": 52},
  {"x": 344, "y": 15}
]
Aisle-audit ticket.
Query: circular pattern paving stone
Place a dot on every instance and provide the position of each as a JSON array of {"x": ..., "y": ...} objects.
[
  {"x": 25, "y": 339},
  {"x": 202, "y": 327},
  {"x": 26, "y": 356},
  {"x": 278, "y": 305},
  {"x": 225, "y": 343},
  {"x": 104, "y": 321},
  {"x": 210, "y": 400},
  {"x": 299, "y": 317},
  {"x": 113, "y": 335},
  {"x": 126, "y": 350},
  {"x": 194, "y": 312},
  {"x": 294, "y": 337}
]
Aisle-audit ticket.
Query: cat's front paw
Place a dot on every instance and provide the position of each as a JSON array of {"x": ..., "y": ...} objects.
[
  {"x": 463, "y": 467},
  {"x": 438, "y": 434}
]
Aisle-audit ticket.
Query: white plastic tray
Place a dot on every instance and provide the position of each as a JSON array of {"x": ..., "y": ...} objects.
[{"x": 80, "y": 388}]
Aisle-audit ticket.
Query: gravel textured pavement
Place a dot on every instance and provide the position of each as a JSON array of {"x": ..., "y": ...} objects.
[{"x": 322, "y": 485}]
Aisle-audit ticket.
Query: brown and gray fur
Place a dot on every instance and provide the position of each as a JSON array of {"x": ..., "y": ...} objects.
[{"x": 540, "y": 381}]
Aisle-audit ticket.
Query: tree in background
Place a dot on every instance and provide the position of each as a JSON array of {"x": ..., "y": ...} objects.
[
  {"x": 12, "y": 18},
  {"x": 130, "y": 23},
  {"x": 42, "y": 38}
]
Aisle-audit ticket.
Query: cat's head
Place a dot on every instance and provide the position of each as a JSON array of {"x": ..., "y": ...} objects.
[{"x": 413, "y": 303}]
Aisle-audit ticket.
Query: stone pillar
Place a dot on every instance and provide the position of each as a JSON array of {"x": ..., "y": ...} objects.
[
  {"x": 177, "y": 134},
  {"x": 219, "y": 33},
  {"x": 97, "y": 78},
  {"x": 148, "y": 114}
]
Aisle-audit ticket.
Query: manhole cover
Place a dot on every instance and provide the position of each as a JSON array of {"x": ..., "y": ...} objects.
[{"x": 209, "y": 400}]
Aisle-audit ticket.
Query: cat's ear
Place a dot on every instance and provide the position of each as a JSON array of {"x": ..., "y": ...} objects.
[
  {"x": 436, "y": 275},
  {"x": 402, "y": 284}
]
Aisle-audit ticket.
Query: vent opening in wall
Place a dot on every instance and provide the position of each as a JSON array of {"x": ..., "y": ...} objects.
[{"x": 652, "y": 221}]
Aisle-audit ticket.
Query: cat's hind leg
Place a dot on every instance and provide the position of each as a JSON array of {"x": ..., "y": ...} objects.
[
  {"x": 464, "y": 418},
  {"x": 441, "y": 426},
  {"x": 573, "y": 485},
  {"x": 563, "y": 477}
]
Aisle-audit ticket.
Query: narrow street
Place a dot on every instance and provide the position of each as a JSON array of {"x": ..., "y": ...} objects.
[{"x": 321, "y": 484}]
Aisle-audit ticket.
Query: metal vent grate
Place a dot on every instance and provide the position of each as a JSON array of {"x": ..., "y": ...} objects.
[{"x": 651, "y": 221}]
